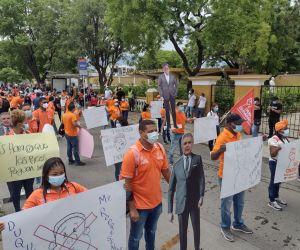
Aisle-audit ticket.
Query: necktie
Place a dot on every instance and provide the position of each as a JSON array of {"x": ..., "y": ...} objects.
[{"x": 187, "y": 164}]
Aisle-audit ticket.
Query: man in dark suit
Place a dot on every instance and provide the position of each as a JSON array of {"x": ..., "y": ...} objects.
[
  {"x": 189, "y": 183},
  {"x": 167, "y": 87}
]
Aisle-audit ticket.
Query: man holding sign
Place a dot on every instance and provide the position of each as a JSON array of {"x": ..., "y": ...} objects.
[{"x": 231, "y": 133}]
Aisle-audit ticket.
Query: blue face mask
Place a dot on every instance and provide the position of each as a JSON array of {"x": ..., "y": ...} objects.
[
  {"x": 286, "y": 132},
  {"x": 181, "y": 109},
  {"x": 216, "y": 109},
  {"x": 57, "y": 180},
  {"x": 152, "y": 137},
  {"x": 238, "y": 128}
]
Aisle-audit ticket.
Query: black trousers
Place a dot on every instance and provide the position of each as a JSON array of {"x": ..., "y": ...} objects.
[
  {"x": 272, "y": 123},
  {"x": 183, "y": 225},
  {"x": 16, "y": 187},
  {"x": 170, "y": 104}
]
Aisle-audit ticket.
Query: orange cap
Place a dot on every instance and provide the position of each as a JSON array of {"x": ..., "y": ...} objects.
[{"x": 281, "y": 125}]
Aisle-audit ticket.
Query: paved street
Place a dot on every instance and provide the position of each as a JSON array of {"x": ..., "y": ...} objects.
[{"x": 272, "y": 230}]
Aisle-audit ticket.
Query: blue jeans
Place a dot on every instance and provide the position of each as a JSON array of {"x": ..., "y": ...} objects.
[
  {"x": 273, "y": 187},
  {"x": 117, "y": 170},
  {"x": 238, "y": 201},
  {"x": 189, "y": 111},
  {"x": 175, "y": 140},
  {"x": 148, "y": 221},
  {"x": 72, "y": 148},
  {"x": 254, "y": 130},
  {"x": 200, "y": 112},
  {"x": 125, "y": 114}
]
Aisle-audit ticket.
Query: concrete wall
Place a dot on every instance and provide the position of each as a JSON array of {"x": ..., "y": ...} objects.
[{"x": 287, "y": 80}]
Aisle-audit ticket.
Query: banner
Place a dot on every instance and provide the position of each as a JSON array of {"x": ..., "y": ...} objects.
[
  {"x": 116, "y": 141},
  {"x": 205, "y": 129},
  {"x": 70, "y": 223},
  {"x": 95, "y": 117},
  {"x": 86, "y": 143},
  {"x": 155, "y": 107},
  {"x": 23, "y": 156},
  {"x": 242, "y": 166},
  {"x": 245, "y": 108},
  {"x": 288, "y": 162}
]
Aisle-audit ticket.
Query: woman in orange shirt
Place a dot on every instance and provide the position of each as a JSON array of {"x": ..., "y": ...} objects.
[
  {"x": 145, "y": 115},
  {"x": 124, "y": 108},
  {"x": 55, "y": 184},
  {"x": 31, "y": 124},
  {"x": 115, "y": 113}
]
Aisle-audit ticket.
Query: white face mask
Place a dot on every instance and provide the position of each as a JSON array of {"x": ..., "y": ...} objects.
[{"x": 45, "y": 105}]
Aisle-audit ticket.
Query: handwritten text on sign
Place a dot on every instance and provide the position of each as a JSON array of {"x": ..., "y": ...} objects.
[
  {"x": 23, "y": 156},
  {"x": 100, "y": 225},
  {"x": 116, "y": 142}
]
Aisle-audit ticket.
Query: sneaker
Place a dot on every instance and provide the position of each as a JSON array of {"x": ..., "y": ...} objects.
[
  {"x": 243, "y": 228},
  {"x": 281, "y": 202},
  {"x": 71, "y": 162},
  {"x": 274, "y": 205},
  {"x": 226, "y": 232},
  {"x": 79, "y": 163}
]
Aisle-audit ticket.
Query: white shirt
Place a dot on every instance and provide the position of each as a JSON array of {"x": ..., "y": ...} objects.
[
  {"x": 202, "y": 102},
  {"x": 107, "y": 94},
  {"x": 276, "y": 142},
  {"x": 213, "y": 115},
  {"x": 167, "y": 77},
  {"x": 192, "y": 99}
]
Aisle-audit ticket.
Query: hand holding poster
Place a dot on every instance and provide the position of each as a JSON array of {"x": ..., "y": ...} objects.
[
  {"x": 23, "y": 156},
  {"x": 288, "y": 162},
  {"x": 70, "y": 224},
  {"x": 86, "y": 143},
  {"x": 116, "y": 142},
  {"x": 95, "y": 117},
  {"x": 204, "y": 129},
  {"x": 242, "y": 166},
  {"x": 155, "y": 107}
]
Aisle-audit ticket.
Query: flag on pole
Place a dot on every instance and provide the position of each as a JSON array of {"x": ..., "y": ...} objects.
[{"x": 245, "y": 108}]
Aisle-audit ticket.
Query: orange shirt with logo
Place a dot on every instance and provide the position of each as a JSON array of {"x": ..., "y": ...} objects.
[
  {"x": 146, "y": 175},
  {"x": 124, "y": 105},
  {"x": 225, "y": 137},
  {"x": 68, "y": 119},
  {"x": 181, "y": 121},
  {"x": 37, "y": 198},
  {"x": 43, "y": 117},
  {"x": 16, "y": 101},
  {"x": 110, "y": 103},
  {"x": 146, "y": 115},
  {"x": 115, "y": 112}
]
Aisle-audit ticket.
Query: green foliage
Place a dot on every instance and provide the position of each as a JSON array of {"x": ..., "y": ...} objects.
[
  {"x": 224, "y": 97},
  {"x": 9, "y": 75}
]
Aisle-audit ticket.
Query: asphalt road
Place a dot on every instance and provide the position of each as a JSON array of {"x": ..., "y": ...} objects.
[{"x": 272, "y": 229}]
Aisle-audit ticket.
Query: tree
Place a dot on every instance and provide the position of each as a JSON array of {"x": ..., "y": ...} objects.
[
  {"x": 85, "y": 23},
  {"x": 155, "y": 60},
  {"x": 33, "y": 28},
  {"x": 146, "y": 24},
  {"x": 9, "y": 75}
]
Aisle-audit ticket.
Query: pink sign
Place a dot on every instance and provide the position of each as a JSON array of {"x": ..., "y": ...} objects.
[{"x": 86, "y": 143}]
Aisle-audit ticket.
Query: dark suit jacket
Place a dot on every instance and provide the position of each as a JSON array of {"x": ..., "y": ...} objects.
[
  {"x": 167, "y": 90},
  {"x": 189, "y": 186}
]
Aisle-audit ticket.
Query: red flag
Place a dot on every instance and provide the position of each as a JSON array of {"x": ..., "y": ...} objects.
[{"x": 245, "y": 108}]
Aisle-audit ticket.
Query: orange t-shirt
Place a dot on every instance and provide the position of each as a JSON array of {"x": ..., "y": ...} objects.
[
  {"x": 68, "y": 119},
  {"x": 115, "y": 112},
  {"x": 51, "y": 106},
  {"x": 146, "y": 115},
  {"x": 33, "y": 126},
  {"x": 43, "y": 117},
  {"x": 225, "y": 137},
  {"x": 37, "y": 197},
  {"x": 16, "y": 101},
  {"x": 124, "y": 106},
  {"x": 146, "y": 175},
  {"x": 110, "y": 103},
  {"x": 181, "y": 121}
]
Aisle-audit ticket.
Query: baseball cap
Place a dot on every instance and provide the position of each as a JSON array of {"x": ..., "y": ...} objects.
[{"x": 233, "y": 117}]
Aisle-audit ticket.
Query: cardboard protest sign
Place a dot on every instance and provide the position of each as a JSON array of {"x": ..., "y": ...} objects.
[
  {"x": 204, "y": 129},
  {"x": 99, "y": 225},
  {"x": 288, "y": 162},
  {"x": 23, "y": 156},
  {"x": 155, "y": 107},
  {"x": 95, "y": 117},
  {"x": 116, "y": 142},
  {"x": 242, "y": 166},
  {"x": 86, "y": 143}
]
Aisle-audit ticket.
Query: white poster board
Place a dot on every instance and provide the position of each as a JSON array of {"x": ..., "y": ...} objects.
[
  {"x": 155, "y": 107},
  {"x": 242, "y": 166},
  {"x": 116, "y": 141},
  {"x": 288, "y": 162},
  {"x": 87, "y": 221},
  {"x": 205, "y": 129},
  {"x": 95, "y": 117}
]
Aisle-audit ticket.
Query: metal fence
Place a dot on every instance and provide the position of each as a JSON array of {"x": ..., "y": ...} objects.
[
  {"x": 289, "y": 97},
  {"x": 223, "y": 95}
]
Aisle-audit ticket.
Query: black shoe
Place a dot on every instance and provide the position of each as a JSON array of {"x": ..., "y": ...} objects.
[
  {"x": 166, "y": 142},
  {"x": 71, "y": 162},
  {"x": 80, "y": 163}
]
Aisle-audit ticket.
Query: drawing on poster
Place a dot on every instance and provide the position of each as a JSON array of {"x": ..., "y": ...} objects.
[
  {"x": 71, "y": 232},
  {"x": 120, "y": 142},
  {"x": 242, "y": 166}
]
